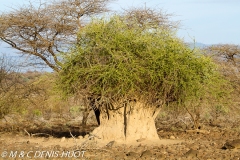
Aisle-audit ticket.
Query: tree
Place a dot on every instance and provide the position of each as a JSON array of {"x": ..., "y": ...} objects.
[
  {"x": 227, "y": 52},
  {"x": 44, "y": 31},
  {"x": 228, "y": 56},
  {"x": 10, "y": 87},
  {"x": 132, "y": 70},
  {"x": 150, "y": 17}
]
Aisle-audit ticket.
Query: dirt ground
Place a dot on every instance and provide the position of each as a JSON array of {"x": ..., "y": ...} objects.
[{"x": 69, "y": 141}]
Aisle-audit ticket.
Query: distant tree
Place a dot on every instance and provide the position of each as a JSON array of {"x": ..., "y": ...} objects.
[
  {"x": 226, "y": 52},
  {"x": 45, "y": 30},
  {"x": 132, "y": 68},
  {"x": 9, "y": 86},
  {"x": 227, "y": 56}
]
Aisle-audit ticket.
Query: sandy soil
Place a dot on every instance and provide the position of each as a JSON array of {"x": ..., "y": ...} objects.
[
  {"x": 181, "y": 146},
  {"x": 211, "y": 142}
]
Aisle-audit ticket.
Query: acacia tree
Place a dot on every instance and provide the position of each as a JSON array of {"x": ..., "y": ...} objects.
[
  {"x": 226, "y": 52},
  {"x": 132, "y": 70},
  {"x": 228, "y": 56},
  {"x": 43, "y": 31},
  {"x": 150, "y": 17}
]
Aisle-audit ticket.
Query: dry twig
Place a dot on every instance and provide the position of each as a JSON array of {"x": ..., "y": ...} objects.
[
  {"x": 36, "y": 134},
  {"x": 27, "y": 132},
  {"x": 74, "y": 140}
]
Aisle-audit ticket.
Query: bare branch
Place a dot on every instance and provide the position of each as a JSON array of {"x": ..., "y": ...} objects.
[
  {"x": 48, "y": 29},
  {"x": 151, "y": 17},
  {"x": 226, "y": 52},
  {"x": 74, "y": 140}
]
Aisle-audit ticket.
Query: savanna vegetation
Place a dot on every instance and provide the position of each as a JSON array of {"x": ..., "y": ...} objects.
[
  {"x": 131, "y": 66},
  {"x": 133, "y": 69}
]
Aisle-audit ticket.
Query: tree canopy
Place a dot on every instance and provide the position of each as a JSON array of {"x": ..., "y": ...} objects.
[
  {"x": 46, "y": 28},
  {"x": 118, "y": 60}
]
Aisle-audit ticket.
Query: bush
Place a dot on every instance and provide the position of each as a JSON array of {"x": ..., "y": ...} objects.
[
  {"x": 121, "y": 61},
  {"x": 10, "y": 87}
]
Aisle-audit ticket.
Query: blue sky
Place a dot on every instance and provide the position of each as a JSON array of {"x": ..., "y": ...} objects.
[{"x": 206, "y": 21}]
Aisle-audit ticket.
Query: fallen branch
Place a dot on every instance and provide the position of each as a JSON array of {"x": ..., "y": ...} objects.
[{"x": 35, "y": 134}]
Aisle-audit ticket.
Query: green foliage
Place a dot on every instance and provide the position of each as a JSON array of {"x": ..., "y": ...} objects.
[
  {"x": 10, "y": 87},
  {"x": 37, "y": 112},
  {"x": 119, "y": 60},
  {"x": 30, "y": 94},
  {"x": 76, "y": 110},
  {"x": 218, "y": 111},
  {"x": 44, "y": 96}
]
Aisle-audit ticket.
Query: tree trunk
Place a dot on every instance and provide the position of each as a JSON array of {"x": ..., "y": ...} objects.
[
  {"x": 85, "y": 117},
  {"x": 128, "y": 123}
]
